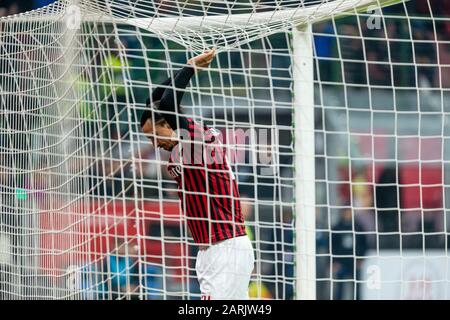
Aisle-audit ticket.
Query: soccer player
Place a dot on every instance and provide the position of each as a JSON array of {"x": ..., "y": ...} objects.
[{"x": 206, "y": 186}]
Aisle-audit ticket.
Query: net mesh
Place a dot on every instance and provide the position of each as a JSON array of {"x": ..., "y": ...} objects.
[{"x": 89, "y": 211}]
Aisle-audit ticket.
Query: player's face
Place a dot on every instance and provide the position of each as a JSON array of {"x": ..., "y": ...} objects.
[{"x": 161, "y": 135}]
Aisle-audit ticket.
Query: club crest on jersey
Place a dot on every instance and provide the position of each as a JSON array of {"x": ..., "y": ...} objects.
[{"x": 175, "y": 171}]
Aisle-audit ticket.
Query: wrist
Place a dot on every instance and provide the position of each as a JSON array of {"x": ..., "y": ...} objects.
[{"x": 191, "y": 64}]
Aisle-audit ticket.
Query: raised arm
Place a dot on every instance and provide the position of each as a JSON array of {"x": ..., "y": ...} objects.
[
  {"x": 159, "y": 91},
  {"x": 171, "y": 99}
]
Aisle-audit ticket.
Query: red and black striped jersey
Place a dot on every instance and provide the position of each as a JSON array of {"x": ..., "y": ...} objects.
[{"x": 206, "y": 185}]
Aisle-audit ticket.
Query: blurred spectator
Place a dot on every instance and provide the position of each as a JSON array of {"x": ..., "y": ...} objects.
[
  {"x": 258, "y": 290},
  {"x": 379, "y": 73},
  {"x": 247, "y": 211},
  {"x": 86, "y": 281},
  {"x": 443, "y": 77},
  {"x": 425, "y": 52},
  {"x": 387, "y": 204},
  {"x": 324, "y": 44},
  {"x": 284, "y": 255},
  {"x": 112, "y": 93},
  {"x": 348, "y": 248},
  {"x": 364, "y": 211},
  {"x": 11, "y": 7},
  {"x": 351, "y": 48},
  {"x": 153, "y": 282},
  {"x": 122, "y": 264}
]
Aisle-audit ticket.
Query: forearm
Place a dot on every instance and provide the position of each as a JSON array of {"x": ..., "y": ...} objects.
[
  {"x": 159, "y": 91},
  {"x": 171, "y": 99}
]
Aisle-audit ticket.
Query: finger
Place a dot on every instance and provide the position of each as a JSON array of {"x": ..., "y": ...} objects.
[
  {"x": 206, "y": 53},
  {"x": 209, "y": 53},
  {"x": 206, "y": 61},
  {"x": 208, "y": 58},
  {"x": 202, "y": 59}
]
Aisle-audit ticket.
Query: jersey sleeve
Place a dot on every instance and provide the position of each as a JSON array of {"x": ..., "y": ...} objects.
[
  {"x": 159, "y": 91},
  {"x": 169, "y": 104}
]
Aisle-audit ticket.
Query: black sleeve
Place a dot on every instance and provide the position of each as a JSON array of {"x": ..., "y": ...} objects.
[
  {"x": 170, "y": 100},
  {"x": 158, "y": 92}
]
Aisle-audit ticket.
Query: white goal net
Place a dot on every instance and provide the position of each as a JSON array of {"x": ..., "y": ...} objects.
[{"x": 334, "y": 114}]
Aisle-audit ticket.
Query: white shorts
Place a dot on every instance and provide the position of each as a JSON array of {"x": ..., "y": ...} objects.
[{"x": 224, "y": 269}]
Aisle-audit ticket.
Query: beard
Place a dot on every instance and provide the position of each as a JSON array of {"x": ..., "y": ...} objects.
[{"x": 169, "y": 148}]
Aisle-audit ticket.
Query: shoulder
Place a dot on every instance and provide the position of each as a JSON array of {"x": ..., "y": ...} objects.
[
  {"x": 206, "y": 130},
  {"x": 198, "y": 130},
  {"x": 194, "y": 127}
]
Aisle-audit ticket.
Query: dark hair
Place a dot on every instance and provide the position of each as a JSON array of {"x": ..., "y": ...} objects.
[{"x": 151, "y": 113}]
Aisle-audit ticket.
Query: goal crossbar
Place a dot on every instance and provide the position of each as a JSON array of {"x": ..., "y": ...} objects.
[{"x": 301, "y": 15}]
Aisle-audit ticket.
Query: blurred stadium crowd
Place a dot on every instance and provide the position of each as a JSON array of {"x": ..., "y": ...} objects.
[{"x": 11, "y": 7}]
